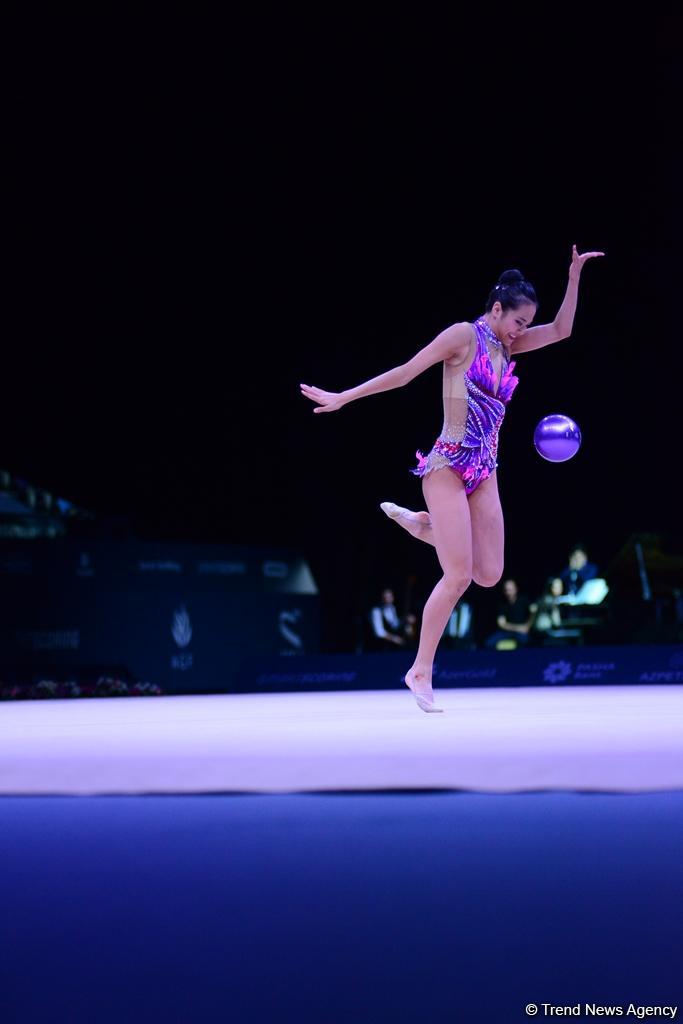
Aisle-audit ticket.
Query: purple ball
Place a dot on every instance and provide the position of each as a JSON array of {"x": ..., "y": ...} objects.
[{"x": 557, "y": 438}]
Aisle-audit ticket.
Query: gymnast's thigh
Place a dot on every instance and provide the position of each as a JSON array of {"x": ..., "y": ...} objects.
[
  {"x": 488, "y": 533},
  {"x": 448, "y": 506}
]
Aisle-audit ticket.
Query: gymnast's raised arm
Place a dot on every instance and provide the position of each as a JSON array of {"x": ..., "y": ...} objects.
[
  {"x": 561, "y": 327},
  {"x": 455, "y": 340}
]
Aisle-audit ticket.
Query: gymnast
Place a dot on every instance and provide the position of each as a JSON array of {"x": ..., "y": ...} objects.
[{"x": 464, "y": 518}]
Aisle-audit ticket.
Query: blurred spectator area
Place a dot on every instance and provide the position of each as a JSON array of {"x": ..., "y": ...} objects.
[
  {"x": 28, "y": 511},
  {"x": 646, "y": 584},
  {"x": 637, "y": 598}
]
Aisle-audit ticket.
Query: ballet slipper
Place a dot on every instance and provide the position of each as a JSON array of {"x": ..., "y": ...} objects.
[
  {"x": 421, "y": 698},
  {"x": 396, "y": 511},
  {"x": 392, "y": 510}
]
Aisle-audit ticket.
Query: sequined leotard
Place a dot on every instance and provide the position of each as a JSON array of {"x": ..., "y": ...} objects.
[{"x": 475, "y": 393}]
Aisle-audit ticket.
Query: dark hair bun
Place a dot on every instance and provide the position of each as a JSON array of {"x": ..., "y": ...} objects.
[
  {"x": 512, "y": 291},
  {"x": 509, "y": 277}
]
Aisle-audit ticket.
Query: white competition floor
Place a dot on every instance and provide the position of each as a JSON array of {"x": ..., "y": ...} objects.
[{"x": 614, "y": 738}]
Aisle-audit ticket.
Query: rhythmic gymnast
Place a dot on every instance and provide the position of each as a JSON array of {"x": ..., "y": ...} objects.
[{"x": 464, "y": 521}]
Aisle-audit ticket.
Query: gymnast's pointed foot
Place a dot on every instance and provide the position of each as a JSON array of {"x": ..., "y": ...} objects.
[
  {"x": 419, "y": 682},
  {"x": 413, "y": 522}
]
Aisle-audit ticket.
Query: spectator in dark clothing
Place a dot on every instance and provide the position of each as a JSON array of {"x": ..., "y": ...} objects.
[
  {"x": 547, "y": 616},
  {"x": 578, "y": 570},
  {"x": 514, "y": 617},
  {"x": 387, "y": 628}
]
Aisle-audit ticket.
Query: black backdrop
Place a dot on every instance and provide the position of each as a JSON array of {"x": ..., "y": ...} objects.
[{"x": 208, "y": 211}]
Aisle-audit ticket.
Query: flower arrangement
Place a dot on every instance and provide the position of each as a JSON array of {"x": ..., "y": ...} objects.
[{"x": 105, "y": 686}]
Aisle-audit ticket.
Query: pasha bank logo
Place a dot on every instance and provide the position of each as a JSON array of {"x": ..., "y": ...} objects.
[
  {"x": 181, "y": 630},
  {"x": 582, "y": 671},
  {"x": 557, "y": 672}
]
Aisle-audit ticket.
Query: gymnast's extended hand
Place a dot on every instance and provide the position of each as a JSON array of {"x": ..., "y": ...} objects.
[
  {"x": 327, "y": 401},
  {"x": 578, "y": 260}
]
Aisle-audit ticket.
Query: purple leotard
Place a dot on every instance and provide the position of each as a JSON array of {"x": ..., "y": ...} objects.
[{"x": 474, "y": 398}]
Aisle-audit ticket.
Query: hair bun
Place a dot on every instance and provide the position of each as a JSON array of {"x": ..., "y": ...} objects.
[
  {"x": 509, "y": 277},
  {"x": 512, "y": 291}
]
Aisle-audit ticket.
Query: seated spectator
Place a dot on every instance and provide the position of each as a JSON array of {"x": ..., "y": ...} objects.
[
  {"x": 546, "y": 611},
  {"x": 514, "y": 617},
  {"x": 578, "y": 570},
  {"x": 387, "y": 628}
]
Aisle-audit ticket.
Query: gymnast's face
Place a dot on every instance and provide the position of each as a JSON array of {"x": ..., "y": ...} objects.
[{"x": 511, "y": 325}]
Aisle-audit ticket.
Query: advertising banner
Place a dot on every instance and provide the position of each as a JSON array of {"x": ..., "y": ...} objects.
[
  {"x": 179, "y": 616},
  {"x": 570, "y": 666}
]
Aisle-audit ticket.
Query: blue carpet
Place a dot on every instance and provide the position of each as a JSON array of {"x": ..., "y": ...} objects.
[{"x": 415, "y": 907}]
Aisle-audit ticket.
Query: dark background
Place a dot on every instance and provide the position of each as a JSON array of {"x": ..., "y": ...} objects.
[{"x": 204, "y": 212}]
